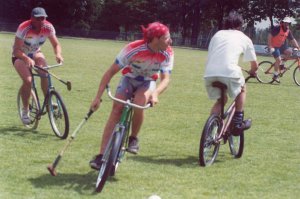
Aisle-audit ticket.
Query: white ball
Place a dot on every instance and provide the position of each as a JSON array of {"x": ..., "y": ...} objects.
[{"x": 154, "y": 197}]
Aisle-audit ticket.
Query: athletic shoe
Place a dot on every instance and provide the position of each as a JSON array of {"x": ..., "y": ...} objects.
[
  {"x": 96, "y": 162},
  {"x": 276, "y": 78},
  {"x": 133, "y": 145},
  {"x": 240, "y": 128},
  {"x": 25, "y": 117}
]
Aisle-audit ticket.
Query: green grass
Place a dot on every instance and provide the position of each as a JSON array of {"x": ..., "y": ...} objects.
[{"x": 167, "y": 164}]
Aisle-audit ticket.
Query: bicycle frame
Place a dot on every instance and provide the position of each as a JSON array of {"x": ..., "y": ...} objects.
[
  {"x": 226, "y": 116},
  {"x": 116, "y": 146},
  {"x": 50, "y": 87},
  {"x": 296, "y": 60}
]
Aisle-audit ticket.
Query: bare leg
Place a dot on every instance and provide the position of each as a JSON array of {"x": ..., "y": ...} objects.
[
  {"x": 111, "y": 123},
  {"x": 141, "y": 98},
  {"x": 24, "y": 73},
  {"x": 40, "y": 61}
]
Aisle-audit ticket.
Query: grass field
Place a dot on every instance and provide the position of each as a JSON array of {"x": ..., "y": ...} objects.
[{"x": 167, "y": 164}]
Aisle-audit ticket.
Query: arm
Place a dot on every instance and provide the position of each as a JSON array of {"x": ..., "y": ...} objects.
[
  {"x": 114, "y": 68},
  {"x": 57, "y": 48},
  {"x": 271, "y": 48},
  {"x": 164, "y": 82},
  {"x": 295, "y": 43},
  {"x": 254, "y": 67},
  {"x": 17, "y": 52}
]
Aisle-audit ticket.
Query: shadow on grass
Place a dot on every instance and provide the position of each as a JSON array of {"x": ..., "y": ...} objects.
[
  {"x": 187, "y": 162},
  {"x": 83, "y": 184},
  {"x": 22, "y": 132}
]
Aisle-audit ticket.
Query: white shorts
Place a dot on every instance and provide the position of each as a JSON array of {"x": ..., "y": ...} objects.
[{"x": 234, "y": 86}]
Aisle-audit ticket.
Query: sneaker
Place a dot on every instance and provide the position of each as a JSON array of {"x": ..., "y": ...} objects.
[
  {"x": 133, "y": 146},
  {"x": 239, "y": 129},
  {"x": 96, "y": 162},
  {"x": 276, "y": 78},
  {"x": 25, "y": 117}
]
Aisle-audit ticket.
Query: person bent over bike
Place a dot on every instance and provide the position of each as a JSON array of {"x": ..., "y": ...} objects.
[
  {"x": 224, "y": 51},
  {"x": 142, "y": 62},
  {"x": 278, "y": 45},
  {"x": 30, "y": 35}
]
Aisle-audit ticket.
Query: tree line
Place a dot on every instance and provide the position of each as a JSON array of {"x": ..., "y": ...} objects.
[{"x": 185, "y": 17}]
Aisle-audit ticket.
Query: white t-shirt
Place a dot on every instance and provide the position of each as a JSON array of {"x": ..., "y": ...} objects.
[{"x": 224, "y": 52}]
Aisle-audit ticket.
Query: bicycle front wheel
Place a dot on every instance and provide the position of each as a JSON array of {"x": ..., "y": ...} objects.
[
  {"x": 58, "y": 115},
  {"x": 109, "y": 160},
  {"x": 265, "y": 72},
  {"x": 236, "y": 145},
  {"x": 209, "y": 147},
  {"x": 33, "y": 109},
  {"x": 296, "y": 75}
]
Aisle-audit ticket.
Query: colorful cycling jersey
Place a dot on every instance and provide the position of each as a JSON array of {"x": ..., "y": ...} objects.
[
  {"x": 139, "y": 62},
  {"x": 33, "y": 40}
]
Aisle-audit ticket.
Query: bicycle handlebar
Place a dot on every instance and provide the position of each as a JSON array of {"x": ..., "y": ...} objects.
[
  {"x": 127, "y": 102},
  {"x": 47, "y": 67}
]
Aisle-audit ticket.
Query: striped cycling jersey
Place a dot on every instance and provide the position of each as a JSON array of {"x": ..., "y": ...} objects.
[
  {"x": 33, "y": 40},
  {"x": 139, "y": 62}
]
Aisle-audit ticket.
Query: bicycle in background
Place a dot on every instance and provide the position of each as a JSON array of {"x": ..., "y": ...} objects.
[
  {"x": 265, "y": 70},
  {"x": 53, "y": 104}
]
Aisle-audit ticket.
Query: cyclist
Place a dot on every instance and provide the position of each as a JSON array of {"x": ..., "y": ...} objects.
[
  {"x": 277, "y": 44},
  {"x": 224, "y": 51},
  {"x": 142, "y": 62},
  {"x": 30, "y": 35}
]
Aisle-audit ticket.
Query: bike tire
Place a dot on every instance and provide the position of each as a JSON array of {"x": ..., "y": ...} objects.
[
  {"x": 296, "y": 75},
  {"x": 108, "y": 160},
  {"x": 33, "y": 110},
  {"x": 265, "y": 72},
  {"x": 236, "y": 145},
  {"x": 58, "y": 115},
  {"x": 209, "y": 149}
]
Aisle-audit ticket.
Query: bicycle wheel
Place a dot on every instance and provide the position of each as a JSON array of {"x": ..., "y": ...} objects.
[
  {"x": 109, "y": 160},
  {"x": 33, "y": 110},
  {"x": 209, "y": 148},
  {"x": 58, "y": 115},
  {"x": 236, "y": 145},
  {"x": 265, "y": 72},
  {"x": 296, "y": 75}
]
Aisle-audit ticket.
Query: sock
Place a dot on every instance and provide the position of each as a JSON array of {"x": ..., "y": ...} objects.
[{"x": 238, "y": 118}]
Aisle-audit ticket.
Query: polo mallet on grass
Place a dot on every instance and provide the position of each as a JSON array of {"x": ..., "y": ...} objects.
[
  {"x": 51, "y": 168},
  {"x": 67, "y": 83}
]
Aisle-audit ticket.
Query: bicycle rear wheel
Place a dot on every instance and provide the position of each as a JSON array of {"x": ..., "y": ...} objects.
[
  {"x": 209, "y": 148},
  {"x": 33, "y": 109},
  {"x": 58, "y": 115},
  {"x": 265, "y": 72},
  {"x": 296, "y": 75},
  {"x": 109, "y": 160},
  {"x": 236, "y": 145}
]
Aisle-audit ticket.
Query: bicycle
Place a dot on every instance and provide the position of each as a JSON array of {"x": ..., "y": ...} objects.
[
  {"x": 118, "y": 142},
  {"x": 53, "y": 104},
  {"x": 217, "y": 129},
  {"x": 265, "y": 70}
]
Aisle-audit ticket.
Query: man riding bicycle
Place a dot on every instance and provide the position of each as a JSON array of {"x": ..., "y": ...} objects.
[
  {"x": 278, "y": 45},
  {"x": 27, "y": 53},
  {"x": 142, "y": 62},
  {"x": 224, "y": 51}
]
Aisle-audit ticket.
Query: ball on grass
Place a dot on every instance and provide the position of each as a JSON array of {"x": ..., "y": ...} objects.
[{"x": 154, "y": 197}]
